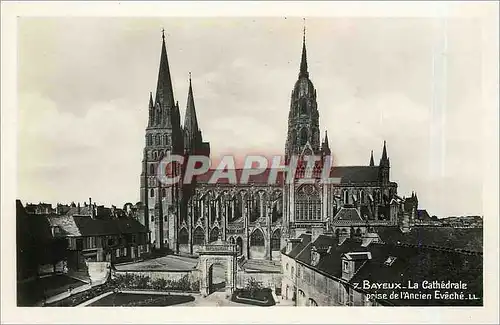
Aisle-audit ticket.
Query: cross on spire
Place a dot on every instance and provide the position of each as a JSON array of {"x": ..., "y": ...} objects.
[{"x": 163, "y": 33}]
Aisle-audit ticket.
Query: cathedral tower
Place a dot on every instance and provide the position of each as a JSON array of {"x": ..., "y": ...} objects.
[
  {"x": 163, "y": 136},
  {"x": 303, "y": 118}
]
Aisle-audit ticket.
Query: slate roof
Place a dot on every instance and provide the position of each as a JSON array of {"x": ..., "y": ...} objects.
[
  {"x": 254, "y": 179},
  {"x": 76, "y": 226},
  {"x": 348, "y": 174},
  {"x": 306, "y": 240},
  {"x": 355, "y": 174},
  {"x": 470, "y": 239},
  {"x": 348, "y": 214},
  {"x": 411, "y": 263},
  {"x": 423, "y": 215},
  {"x": 419, "y": 264}
]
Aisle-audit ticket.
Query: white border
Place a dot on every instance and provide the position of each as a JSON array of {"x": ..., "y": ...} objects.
[{"x": 487, "y": 12}]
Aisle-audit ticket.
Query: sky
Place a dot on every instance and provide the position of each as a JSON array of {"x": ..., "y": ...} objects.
[{"x": 84, "y": 83}]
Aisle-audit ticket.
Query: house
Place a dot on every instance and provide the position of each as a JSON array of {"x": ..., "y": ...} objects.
[
  {"x": 356, "y": 272},
  {"x": 99, "y": 234}
]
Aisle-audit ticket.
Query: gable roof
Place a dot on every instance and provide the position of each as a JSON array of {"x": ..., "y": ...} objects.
[
  {"x": 76, "y": 226},
  {"x": 347, "y": 214},
  {"x": 262, "y": 178},
  {"x": 469, "y": 239},
  {"x": 305, "y": 241}
]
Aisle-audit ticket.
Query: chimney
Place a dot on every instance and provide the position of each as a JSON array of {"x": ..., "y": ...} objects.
[
  {"x": 78, "y": 208},
  {"x": 292, "y": 243}
]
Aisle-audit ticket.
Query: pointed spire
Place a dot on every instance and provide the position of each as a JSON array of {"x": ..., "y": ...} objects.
[
  {"x": 190, "y": 120},
  {"x": 372, "y": 163},
  {"x": 384, "y": 153},
  {"x": 151, "y": 105},
  {"x": 164, "y": 90},
  {"x": 303, "y": 62}
]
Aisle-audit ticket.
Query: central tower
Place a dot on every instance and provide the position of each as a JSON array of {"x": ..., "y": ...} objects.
[{"x": 303, "y": 119}]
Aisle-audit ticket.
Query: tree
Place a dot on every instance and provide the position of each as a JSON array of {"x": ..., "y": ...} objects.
[{"x": 253, "y": 287}]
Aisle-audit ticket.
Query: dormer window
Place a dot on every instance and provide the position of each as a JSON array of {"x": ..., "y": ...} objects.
[
  {"x": 345, "y": 266},
  {"x": 389, "y": 261}
]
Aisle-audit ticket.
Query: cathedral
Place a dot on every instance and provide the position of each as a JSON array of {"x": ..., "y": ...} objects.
[{"x": 257, "y": 216}]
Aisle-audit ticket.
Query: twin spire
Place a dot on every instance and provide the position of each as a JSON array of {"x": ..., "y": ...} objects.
[
  {"x": 164, "y": 90},
  {"x": 384, "y": 160},
  {"x": 165, "y": 94}
]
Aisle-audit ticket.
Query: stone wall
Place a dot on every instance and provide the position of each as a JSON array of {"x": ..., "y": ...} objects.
[
  {"x": 193, "y": 275},
  {"x": 268, "y": 279}
]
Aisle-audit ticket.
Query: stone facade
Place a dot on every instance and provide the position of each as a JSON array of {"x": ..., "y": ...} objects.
[{"x": 256, "y": 216}]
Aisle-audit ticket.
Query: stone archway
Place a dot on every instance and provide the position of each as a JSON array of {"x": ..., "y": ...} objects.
[{"x": 217, "y": 254}]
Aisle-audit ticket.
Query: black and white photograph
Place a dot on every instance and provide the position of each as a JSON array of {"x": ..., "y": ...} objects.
[{"x": 252, "y": 160}]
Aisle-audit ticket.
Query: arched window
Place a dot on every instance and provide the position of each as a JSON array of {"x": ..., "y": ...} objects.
[
  {"x": 362, "y": 196},
  {"x": 183, "y": 236},
  {"x": 166, "y": 139},
  {"x": 312, "y": 303},
  {"x": 152, "y": 169},
  {"x": 198, "y": 236},
  {"x": 152, "y": 192},
  {"x": 239, "y": 242},
  {"x": 307, "y": 203},
  {"x": 345, "y": 195},
  {"x": 231, "y": 240},
  {"x": 257, "y": 238},
  {"x": 214, "y": 234},
  {"x": 157, "y": 139},
  {"x": 275, "y": 240},
  {"x": 303, "y": 136}
]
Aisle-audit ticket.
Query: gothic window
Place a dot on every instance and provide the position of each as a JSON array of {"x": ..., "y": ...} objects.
[
  {"x": 275, "y": 240},
  {"x": 308, "y": 204},
  {"x": 239, "y": 242},
  {"x": 152, "y": 169},
  {"x": 257, "y": 238},
  {"x": 165, "y": 139},
  {"x": 303, "y": 136},
  {"x": 149, "y": 139},
  {"x": 214, "y": 234},
  {"x": 345, "y": 196},
  {"x": 198, "y": 236},
  {"x": 362, "y": 196},
  {"x": 183, "y": 236},
  {"x": 152, "y": 193},
  {"x": 312, "y": 303}
]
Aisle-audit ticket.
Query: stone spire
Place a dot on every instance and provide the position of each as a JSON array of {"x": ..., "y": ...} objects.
[
  {"x": 372, "y": 163},
  {"x": 303, "y": 61},
  {"x": 190, "y": 120},
  {"x": 164, "y": 90},
  {"x": 192, "y": 133},
  {"x": 326, "y": 146},
  {"x": 384, "y": 160}
]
